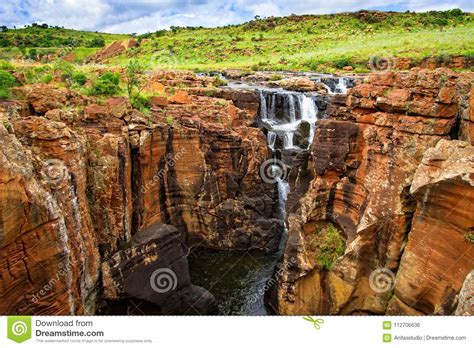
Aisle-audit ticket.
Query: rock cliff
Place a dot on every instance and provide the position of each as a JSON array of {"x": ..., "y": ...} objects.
[
  {"x": 383, "y": 170},
  {"x": 79, "y": 180}
]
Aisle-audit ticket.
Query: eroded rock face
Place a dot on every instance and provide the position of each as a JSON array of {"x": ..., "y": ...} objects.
[
  {"x": 49, "y": 257},
  {"x": 79, "y": 179},
  {"x": 439, "y": 254},
  {"x": 202, "y": 176},
  {"x": 360, "y": 176},
  {"x": 155, "y": 269}
]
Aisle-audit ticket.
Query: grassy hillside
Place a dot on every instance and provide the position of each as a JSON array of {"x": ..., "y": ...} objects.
[
  {"x": 36, "y": 41},
  {"x": 322, "y": 43},
  {"x": 310, "y": 42}
]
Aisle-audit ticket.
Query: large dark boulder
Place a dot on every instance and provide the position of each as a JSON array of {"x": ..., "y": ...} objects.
[{"x": 154, "y": 268}]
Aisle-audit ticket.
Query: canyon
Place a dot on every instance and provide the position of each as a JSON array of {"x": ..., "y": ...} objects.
[{"x": 96, "y": 196}]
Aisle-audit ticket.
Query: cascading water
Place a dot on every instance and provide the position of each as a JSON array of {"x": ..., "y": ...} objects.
[
  {"x": 238, "y": 281},
  {"x": 341, "y": 86},
  {"x": 271, "y": 138},
  {"x": 289, "y": 117}
]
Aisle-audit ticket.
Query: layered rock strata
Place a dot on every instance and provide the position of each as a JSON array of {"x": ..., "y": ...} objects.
[
  {"x": 383, "y": 170},
  {"x": 80, "y": 179}
]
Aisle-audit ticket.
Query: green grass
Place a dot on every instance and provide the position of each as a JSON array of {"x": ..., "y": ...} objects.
[
  {"x": 308, "y": 42},
  {"x": 322, "y": 43}
]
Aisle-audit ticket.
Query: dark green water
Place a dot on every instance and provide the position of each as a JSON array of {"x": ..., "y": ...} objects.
[{"x": 237, "y": 280}]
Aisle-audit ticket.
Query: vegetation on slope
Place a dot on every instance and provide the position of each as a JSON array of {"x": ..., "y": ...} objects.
[
  {"x": 36, "y": 41},
  {"x": 309, "y": 42},
  {"x": 323, "y": 43}
]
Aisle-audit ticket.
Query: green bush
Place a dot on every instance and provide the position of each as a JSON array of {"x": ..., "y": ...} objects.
[
  {"x": 456, "y": 12},
  {"x": 170, "y": 120},
  {"x": 65, "y": 70},
  {"x": 342, "y": 62},
  {"x": 106, "y": 84},
  {"x": 4, "y": 65},
  {"x": 327, "y": 244},
  {"x": 32, "y": 53},
  {"x": 47, "y": 78},
  {"x": 36, "y": 74},
  {"x": 142, "y": 103},
  {"x": 79, "y": 78},
  {"x": 7, "y": 81},
  {"x": 96, "y": 42}
]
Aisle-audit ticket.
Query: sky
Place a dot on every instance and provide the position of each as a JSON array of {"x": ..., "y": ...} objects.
[{"x": 141, "y": 16}]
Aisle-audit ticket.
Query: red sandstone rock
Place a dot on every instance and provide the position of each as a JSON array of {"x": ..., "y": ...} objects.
[
  {"x": 118, "y": 106},
  {"x": 180, "y": 97},
  {"x": 438, "y": 255},
  {"x": 159, "y": 101},
  {"x": 363, "y": 168},
  {"x": 55, "y": 241}
]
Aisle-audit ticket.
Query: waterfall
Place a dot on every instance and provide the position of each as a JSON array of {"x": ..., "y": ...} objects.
[
  {"x": 291, "y": 108},
  {"x": 309, "y": 110},
  {"x": 283, "y": 191},
  {"x": 273, "y": 106},
  {"x": 341, "y": 86},
  {"x": 263, "y": 106},
  {"x": 271, "y": 139},
  {"x": 288, "y": 140}
]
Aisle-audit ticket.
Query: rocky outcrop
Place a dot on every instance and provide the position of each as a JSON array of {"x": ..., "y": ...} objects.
[
  {"x": 49, "y": 256},
  {"x": 82, "y": 180},
  {"x": 201, "y": 175},
  {"x": 358, "y": 177},
  {"x": 439, "y": 253},
  {"x": 112, "y": 50},
  {"x": 154, "y": 268}
]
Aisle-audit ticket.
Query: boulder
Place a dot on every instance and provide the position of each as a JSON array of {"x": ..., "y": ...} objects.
[
  {"x": 155, "y": 269},
  {"x": 180, "y": 97}
]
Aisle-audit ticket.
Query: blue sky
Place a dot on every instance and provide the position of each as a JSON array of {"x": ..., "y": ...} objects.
[{"x": 140, "y": 16}]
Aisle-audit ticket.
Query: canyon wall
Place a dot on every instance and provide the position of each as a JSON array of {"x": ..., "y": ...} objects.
[
  {"x": 79, "y": 180},
  {"x": 95, "y": 197},
  {"x": 384, "y": 170}
]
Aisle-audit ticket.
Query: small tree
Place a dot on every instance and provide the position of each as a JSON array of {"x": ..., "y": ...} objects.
[{"x": 134, "y": 79}]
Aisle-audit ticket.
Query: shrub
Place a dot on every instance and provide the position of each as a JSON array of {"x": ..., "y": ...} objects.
[
  {"x": 134, "y": 78},
  {"x": 469, "y": 237},
  {"x": 106, "y": 84},
  {"x": 79, "y": 78},
  {"x": 327, "y": 244},
  {"x": 96, "y": 42},
  {"x": 47, "y": 78},
  {"x": 32, "y": 54},
  {"x": 276, "y": 77},
  {"x": 4, "y": 65},
  {"x": 342, "y": 62},
  {"x": 456, "y": 12},
  {"x": 169, "y": 120},
  {"x": 36, "y": 74},
  {"x": 7, "y": 81},
  {"x": 64, "y": 69},
  {"x": 141, "y": 103}
]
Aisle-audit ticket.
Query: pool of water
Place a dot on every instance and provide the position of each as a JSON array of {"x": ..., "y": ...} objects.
[{"x": 236, "y": 279}]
